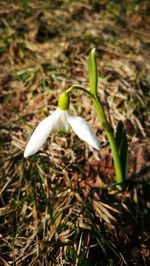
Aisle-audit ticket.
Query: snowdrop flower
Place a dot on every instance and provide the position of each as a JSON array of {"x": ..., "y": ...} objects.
[{"x": 61, "y": 119}]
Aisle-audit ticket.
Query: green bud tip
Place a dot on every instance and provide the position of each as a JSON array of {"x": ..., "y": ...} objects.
[{"x": 64, "y": 101}]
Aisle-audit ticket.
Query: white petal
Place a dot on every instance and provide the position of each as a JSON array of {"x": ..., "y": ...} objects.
[
  {"x": 62, "y": 123},
  {"x": 83, "y": 130},
  {"x": 41, "y": 133}
]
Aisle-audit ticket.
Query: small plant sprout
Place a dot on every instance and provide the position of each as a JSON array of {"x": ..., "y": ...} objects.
[{"x": 62, "y": 119}]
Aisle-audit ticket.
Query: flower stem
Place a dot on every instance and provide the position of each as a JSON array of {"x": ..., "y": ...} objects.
[
  {"x": 78, "y": 87},
  {"x": 111, "y": 138},
  {"x": 93, "y": 80}
]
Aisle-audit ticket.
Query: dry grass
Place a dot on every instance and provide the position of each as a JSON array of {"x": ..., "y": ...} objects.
[{"x": 57, "y": 208}]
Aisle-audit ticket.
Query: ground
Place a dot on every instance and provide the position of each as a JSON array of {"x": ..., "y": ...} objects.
[{"x": 60, "y": 207}]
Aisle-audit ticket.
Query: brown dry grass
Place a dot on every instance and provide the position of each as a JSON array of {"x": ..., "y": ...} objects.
[{"x": 57, "y": 207}]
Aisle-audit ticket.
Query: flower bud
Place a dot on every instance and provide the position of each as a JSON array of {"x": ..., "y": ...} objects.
[{"x": 64, "y": 101}]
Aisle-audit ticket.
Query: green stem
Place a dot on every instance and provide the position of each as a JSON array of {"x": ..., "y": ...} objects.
[
  {"x": 112, "y": 141},
  {"x": 78, "y": 87}
]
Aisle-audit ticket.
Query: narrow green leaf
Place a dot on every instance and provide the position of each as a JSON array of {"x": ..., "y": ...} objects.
[
  {"x": 124, "y": 156},
  {"x": 119, "y": 135},
  {"x": 92, "y": 71},
  {"x": 122, "y": 146}
]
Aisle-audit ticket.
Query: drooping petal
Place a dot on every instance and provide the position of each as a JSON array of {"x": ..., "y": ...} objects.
[
  {"x": 41, "y": 133},
  {"x": 83, "y": 130},
  {"x": 62, "y": 123}
]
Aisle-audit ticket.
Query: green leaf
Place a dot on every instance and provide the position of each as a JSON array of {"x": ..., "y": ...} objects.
[
  {"x": 122, "y": 146},
  {"x": 119, "y": 135},
  {"x": 92, "y": 71}
]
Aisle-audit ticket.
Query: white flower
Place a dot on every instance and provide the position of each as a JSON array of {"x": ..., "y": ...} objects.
[{"x": 60, "y": 120}]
